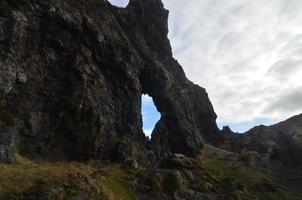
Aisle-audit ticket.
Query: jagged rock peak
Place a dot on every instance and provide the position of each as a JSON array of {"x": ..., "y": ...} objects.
[{"x": 227, "y": 130}]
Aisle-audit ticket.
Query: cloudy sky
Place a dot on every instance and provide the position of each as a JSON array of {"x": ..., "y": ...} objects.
[{"x": 247, "y": 54}]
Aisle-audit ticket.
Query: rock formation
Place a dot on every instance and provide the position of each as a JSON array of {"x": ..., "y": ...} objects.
[
  {"x": 275, "y": 149},
  {"x": 280, "y": 142},
  {"x": 72, "y": 76}
]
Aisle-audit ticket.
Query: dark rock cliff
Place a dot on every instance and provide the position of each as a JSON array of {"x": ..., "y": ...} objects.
[
  {"x": 275, "y": 149},
  {"x": 72, "y": 74},
  {"x": 281, "y": 142}
]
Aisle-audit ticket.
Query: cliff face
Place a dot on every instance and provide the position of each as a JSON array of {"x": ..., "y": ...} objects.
[
  {"x": 281, "y": 142},
  {"x": 72, "y": 74},
  {"x": 274, "y": 149}
]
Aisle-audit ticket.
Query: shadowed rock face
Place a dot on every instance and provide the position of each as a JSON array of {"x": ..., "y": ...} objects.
[
  {"x": 280, "y": 142},
  {"x": 188, "y": 118},
  {"x": 72, "y": 74}
]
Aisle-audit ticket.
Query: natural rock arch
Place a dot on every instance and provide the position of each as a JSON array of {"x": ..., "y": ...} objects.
[{"x": 81, "y": 97}]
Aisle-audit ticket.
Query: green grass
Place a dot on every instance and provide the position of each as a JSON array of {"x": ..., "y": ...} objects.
[
  {"x": 253, "y": 182},
  {"x": 112, "y": 182},
  {"x": 291, "y": 180},
  {"x": 26, "y": 175},
  {"x": 225, "y": 169},
  {"x": 230, "y": 176}
]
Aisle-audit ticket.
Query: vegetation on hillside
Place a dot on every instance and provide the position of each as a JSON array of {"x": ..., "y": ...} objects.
[{"x": 215, "y": 172}]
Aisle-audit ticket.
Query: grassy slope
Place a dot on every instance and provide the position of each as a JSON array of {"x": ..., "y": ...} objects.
[
  {"x": 291, "y": 180},
  {"x": 17, "y": 179},
  {"x": 219, "y": 171},
  {"x": 227, "y": 170}
]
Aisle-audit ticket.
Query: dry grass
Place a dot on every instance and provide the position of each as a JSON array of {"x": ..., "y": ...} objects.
[{"x": 25, "y": 174}]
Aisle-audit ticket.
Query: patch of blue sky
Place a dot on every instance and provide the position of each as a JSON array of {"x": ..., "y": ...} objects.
[{"x": 150, "y": 115}]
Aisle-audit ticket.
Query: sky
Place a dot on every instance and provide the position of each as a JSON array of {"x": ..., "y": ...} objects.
[
  {"x": 150, "y": 115},
  {"x": 247, "y": 54}
]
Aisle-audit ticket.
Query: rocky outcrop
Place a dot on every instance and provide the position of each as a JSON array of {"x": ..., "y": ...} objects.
[
  {"x": 72, "y": 74},
  {"x": 187, "y": 116},
  {"x": 281, "y": 142},
  {"x": 274, "y": 149}
]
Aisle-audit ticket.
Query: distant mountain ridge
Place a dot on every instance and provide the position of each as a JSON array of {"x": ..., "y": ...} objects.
[{"x": 281, "y": 141}]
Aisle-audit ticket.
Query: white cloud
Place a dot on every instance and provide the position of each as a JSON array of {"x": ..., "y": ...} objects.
[
  {"x": 287, "y": 69},
  {"x": 147, "y": 99},
  {"x": 148, "y": 132},
  {"x": 247, "y": 54},
  {"x": 291, "y": 101},
  {"x": 120, "y": 3}
]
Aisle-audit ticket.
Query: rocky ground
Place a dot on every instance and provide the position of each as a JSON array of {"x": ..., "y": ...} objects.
[{"x": 216, "y": 174}]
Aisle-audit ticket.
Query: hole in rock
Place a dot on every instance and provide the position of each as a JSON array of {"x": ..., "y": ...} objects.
[
  {"x": 119, "y": 3},
  {"x": 150, "y": 115}
]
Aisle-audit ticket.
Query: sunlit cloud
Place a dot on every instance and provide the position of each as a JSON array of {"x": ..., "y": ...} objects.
[{"x": 247, "y": 54}]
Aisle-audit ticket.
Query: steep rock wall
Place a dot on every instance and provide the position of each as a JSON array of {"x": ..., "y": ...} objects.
[{"x": 72, "y": 74}]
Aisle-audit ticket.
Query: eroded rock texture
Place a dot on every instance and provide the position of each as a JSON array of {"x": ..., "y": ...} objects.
[
  {"x": 281, "y": 142},
  {"x": 72, "y": 74}
]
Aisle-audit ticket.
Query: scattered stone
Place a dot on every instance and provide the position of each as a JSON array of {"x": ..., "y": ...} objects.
[
  {"x": 131, "y": 164},
  {"x": 179, "y": 156}
]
